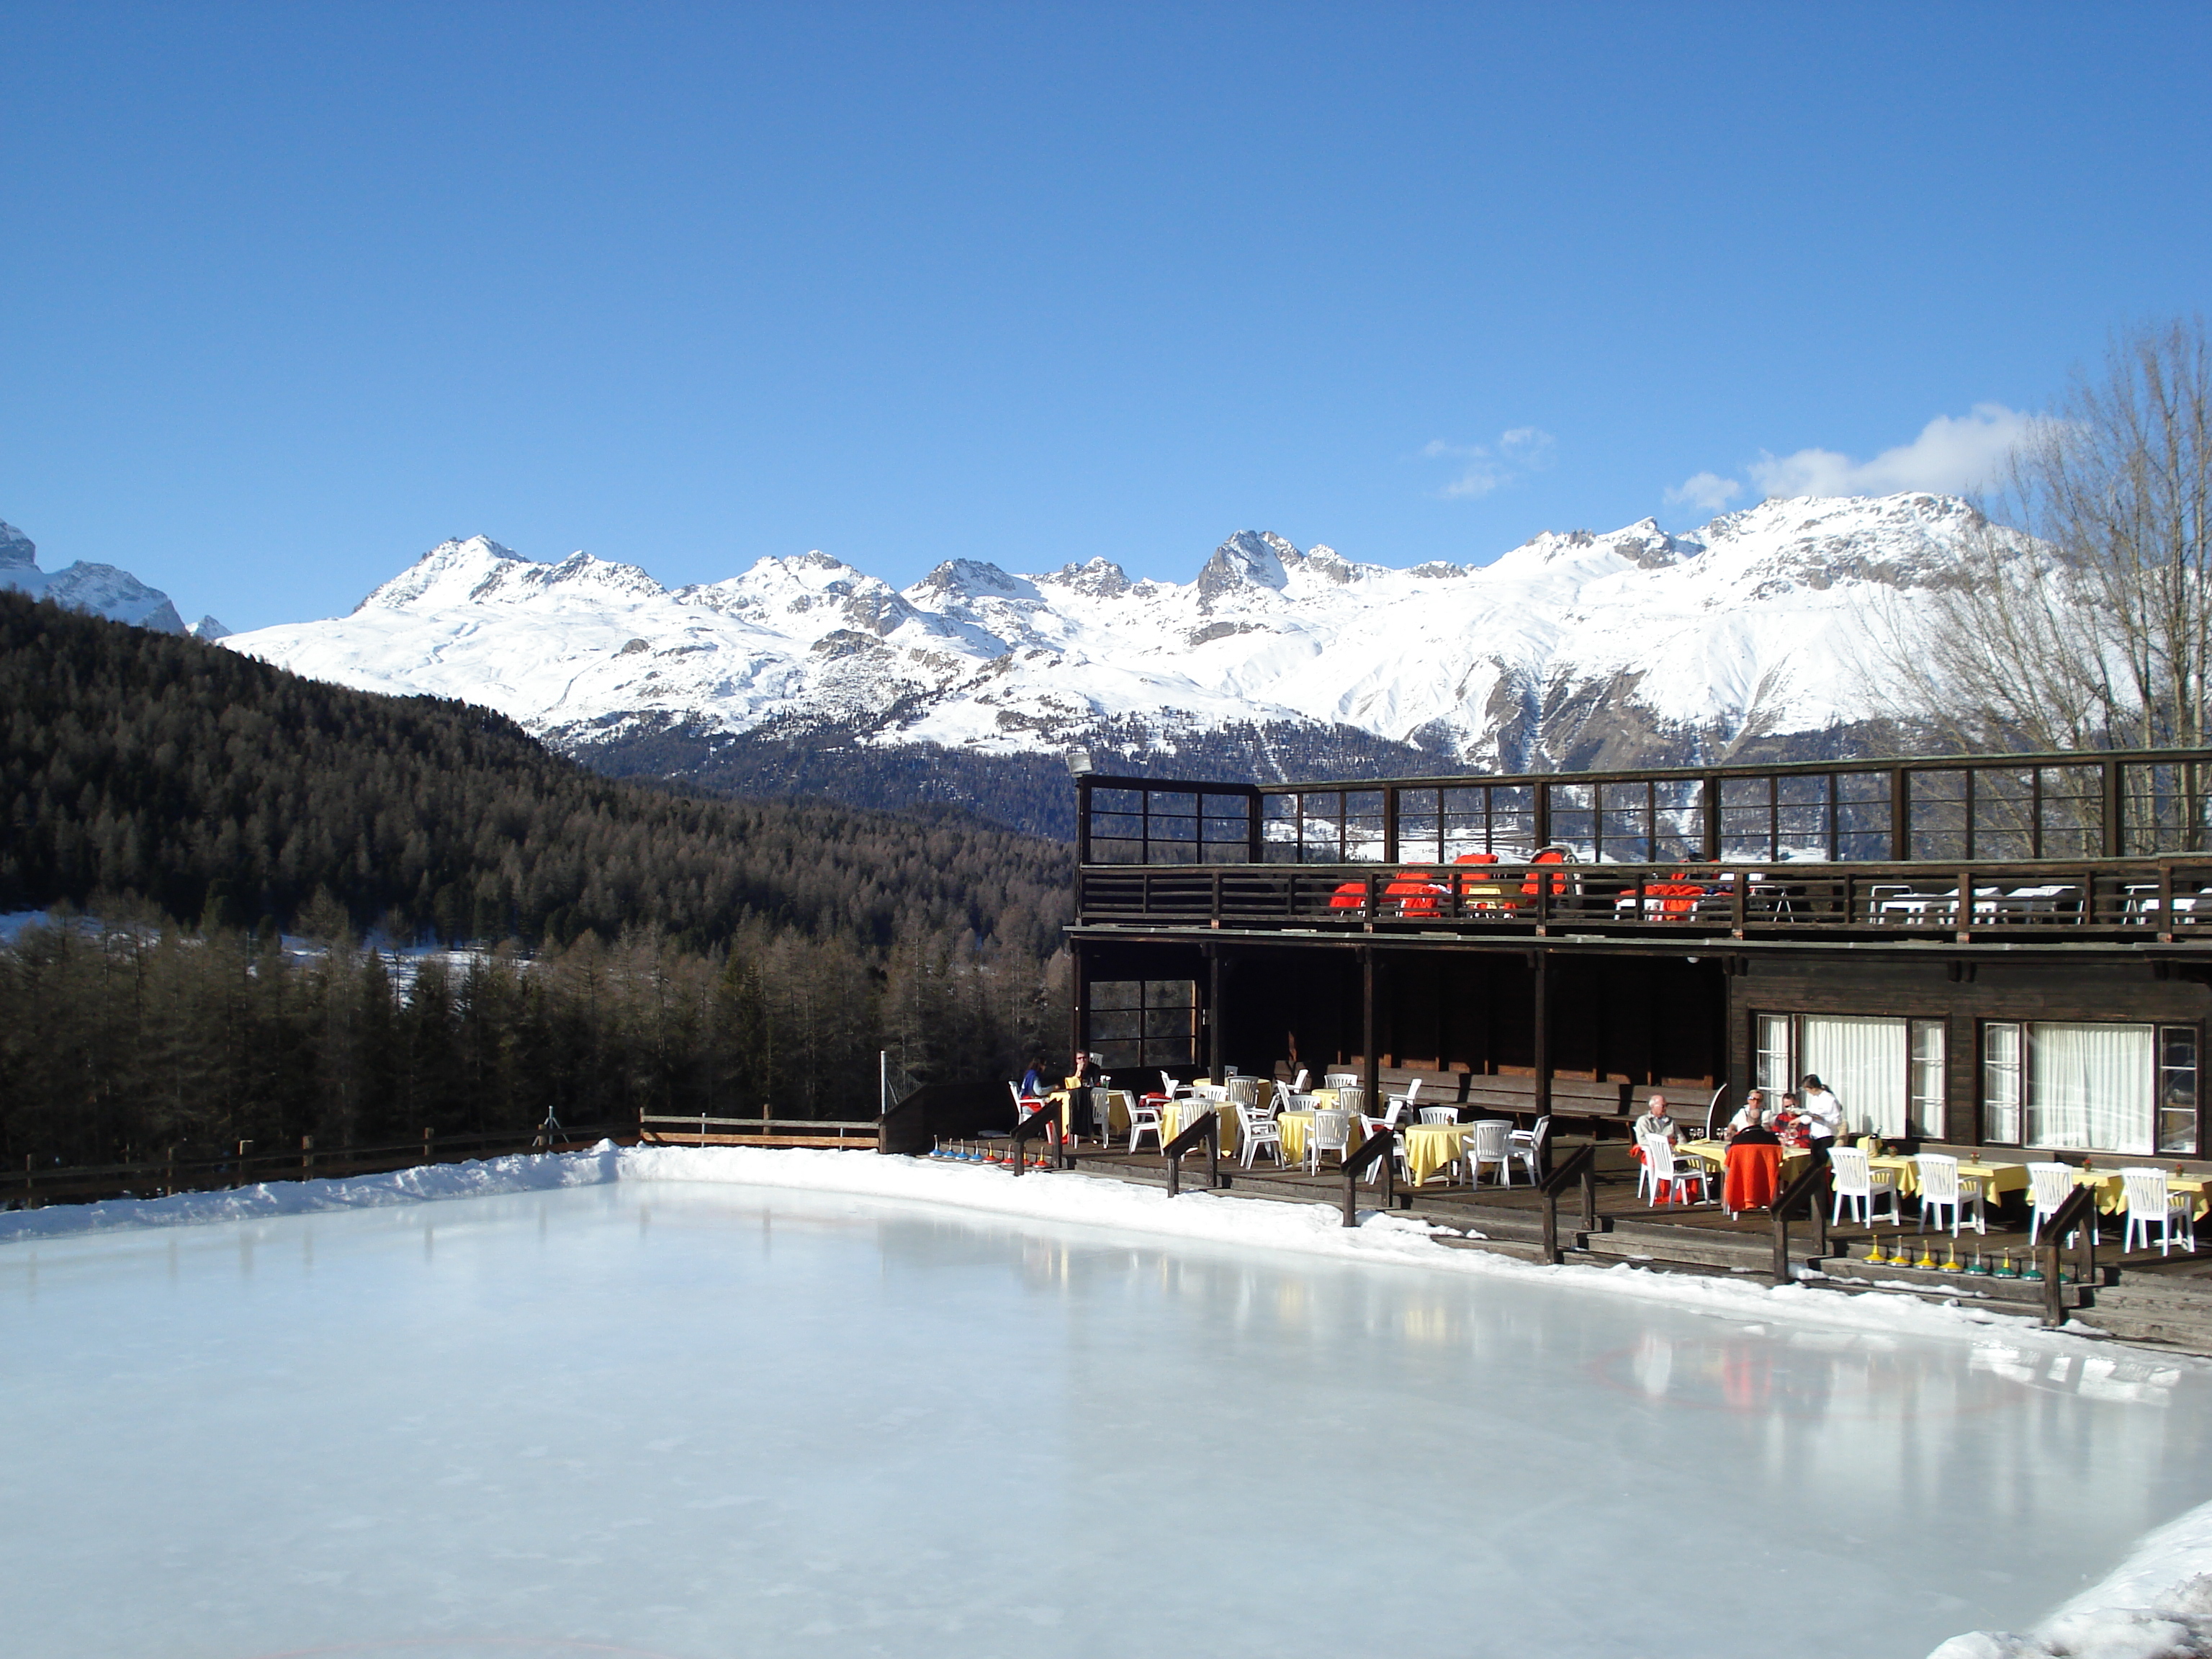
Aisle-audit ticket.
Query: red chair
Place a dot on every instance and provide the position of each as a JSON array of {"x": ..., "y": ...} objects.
[
  {"x": 1415, "y": 893},
  {"x": 1548, "y": 855},
  {"x": 1352, "y": 896},
  {"x": 1677, "y": 897}
]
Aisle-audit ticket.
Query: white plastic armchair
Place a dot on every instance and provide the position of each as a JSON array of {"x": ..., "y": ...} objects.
[
  {"x": 1940, "y": 1189},
  {"x": 2049, "y": 1185},
  {"x": 1858, "y": 1183},
  {"x": 1257, "y": 1129},
  {"x": 1528, "y": 1146},
  {"x": 1331, "y": 1133},
  {"x": 2151, "y": 1202}
]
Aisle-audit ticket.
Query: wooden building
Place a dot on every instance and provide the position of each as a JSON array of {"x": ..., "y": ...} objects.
[{"x": 2006, "y": 950}]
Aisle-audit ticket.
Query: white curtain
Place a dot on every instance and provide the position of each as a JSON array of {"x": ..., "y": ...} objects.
[
  {"x": 2090, "y": 1087},
  {"x": 1863, "y": 1062}
]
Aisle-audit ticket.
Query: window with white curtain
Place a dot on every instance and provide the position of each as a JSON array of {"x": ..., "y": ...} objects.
[
  {"x": 1863, "y": 1062},
  {"x": 2003, "y": 1089},
  {"x": 1924, "y": 1087},
  {"x": 1774, "y": 1063},
  {"x": 2090, "y": 1088},
  {"x": 2177, "y": 1088}
]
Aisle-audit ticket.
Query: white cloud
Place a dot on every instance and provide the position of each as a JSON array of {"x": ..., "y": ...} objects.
[
  {"x": 1951, "y": 455},
  {"x": 1707, "y": 490},
  {"x": 1483, "y": 468}
]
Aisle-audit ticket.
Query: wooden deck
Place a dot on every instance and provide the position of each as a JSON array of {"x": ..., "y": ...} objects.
[{"x": 2143, "y": 1297}]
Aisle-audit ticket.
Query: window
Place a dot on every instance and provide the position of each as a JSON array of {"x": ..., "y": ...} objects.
[
  {"x": 1924, "y": 1087},
  {"x": 2177, "y": 1088},
  {"x": 2001, "y": 1093},
  {"x": 1142, "y": 1024},
  {"x": 1774, "y": 1067},
  {"x": 2084, "y": 1087}
]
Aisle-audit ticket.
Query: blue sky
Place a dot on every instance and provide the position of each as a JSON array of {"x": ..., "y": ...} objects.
[{"x": 291, "y": 293}]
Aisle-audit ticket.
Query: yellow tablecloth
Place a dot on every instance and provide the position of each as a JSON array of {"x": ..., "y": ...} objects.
[
  {"x": 1179, "y": 1115},
  {"x": 1296, "y": 1127},
  {"x": 2113, "y": 1194},
  {"x": 1431, "y": 1146},
  {"x": 1994, "y": 1180},
  {"x": 1715, "y": 1152}
]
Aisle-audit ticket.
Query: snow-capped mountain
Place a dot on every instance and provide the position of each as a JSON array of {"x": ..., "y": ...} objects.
[
  {"x": 1571, "y": 650},
  {"x": 100, "y": 588}
]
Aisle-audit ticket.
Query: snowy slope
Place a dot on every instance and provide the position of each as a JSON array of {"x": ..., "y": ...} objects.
[
  {"x": 100, "y": 588},
  {"x": 1759, "y": 623}
]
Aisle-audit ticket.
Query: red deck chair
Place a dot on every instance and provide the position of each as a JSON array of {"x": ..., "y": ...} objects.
[
  {"x": 1678, "y": 896},
  {"x": 1548, "y": 855},
  {"x": 1753, "y": 1174},
  {"x": 1352, "y": 896},
  {"x": 1415, "y": 893}
]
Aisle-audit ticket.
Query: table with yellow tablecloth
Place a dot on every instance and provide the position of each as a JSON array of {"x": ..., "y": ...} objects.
[
  {"x": 1714, "y": 1153},
  {"x": 1298, "y": 1128},
  {"x": 1432, "y": 1146},
  {"x": 2112, "y": 1192},
  {"x": 1179, "y": 1115},
  {"x": 1994, "y": 1180}
]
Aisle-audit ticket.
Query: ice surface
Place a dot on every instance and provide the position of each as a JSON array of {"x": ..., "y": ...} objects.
[{"x": 722, "y": 1416}]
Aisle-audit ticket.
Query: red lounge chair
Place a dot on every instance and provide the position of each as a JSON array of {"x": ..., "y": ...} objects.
[
  {"x": 1415, "y": 893},
  {"x": 1549, "y": 855},
  {"x": 1352, "y": 896},
  {"x": 1678, "y": 896}
]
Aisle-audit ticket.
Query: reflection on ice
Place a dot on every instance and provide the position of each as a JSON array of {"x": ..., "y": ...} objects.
[{"x": 694, "y": 1420}]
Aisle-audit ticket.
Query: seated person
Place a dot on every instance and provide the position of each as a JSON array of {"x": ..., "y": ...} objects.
[
  {"x": 1753, "y": 1110},
  {"x": 1754, "y": 1132},
  {"x": 1654, "y": 1121},
  {"x": 1791, "y": 1127},
  {"x": 1033, "y": 1081}
]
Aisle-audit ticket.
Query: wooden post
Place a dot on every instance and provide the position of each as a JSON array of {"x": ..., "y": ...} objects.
[
  {"x": 1370, "y": 1073},
  {"x": 430, "y": 1142},
  {"x": 2054, "y": 1294},
  {"x": 1213, "y": 1057},
  {"x": 1542, "y": 991},
  {"x": 1709, "y": 800}
]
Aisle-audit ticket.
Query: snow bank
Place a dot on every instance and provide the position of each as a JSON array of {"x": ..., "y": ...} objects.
[
  {"x": 2156, "y": 1605},
  {"x": 521, "y": 1173}
]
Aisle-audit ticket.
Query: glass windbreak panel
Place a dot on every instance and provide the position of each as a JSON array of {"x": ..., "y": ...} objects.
[
  {"x": 1117, "y": 837},
  {"x": 1225, "y": 826},
  {"x": 1278, "y": 828},
  {"x": 2162, "y": 807},
  {"x": 1804, "y": 824},
  {"x": 1363, "y": 826},
  {"x": 2002, "y": 1092},
  {"x": 1512, "y": 821},
  {"x": 2003, "y": 813},
  {"x": 1624, "y": 832},
  {"x": 2070, "y": 813},
  {"x": 1574, "y": 818},
  {"x": 1862, "y": 820},
  {"x": 1774, "y": 1057},
  {"x": 1679, "y": 822},
  {"x": 2091, "y": 1088},
  {"x": 1420, "y": 826},
  {"x": 1142, "y": 1024},
  {"x": 1924, "y": 1089},
  {"x": 1939, "y": 815},
  {"x": 1748, "y": 818},
  {"x": 1465, "y": 822},
  {"x": 2177, "y": 1088}
]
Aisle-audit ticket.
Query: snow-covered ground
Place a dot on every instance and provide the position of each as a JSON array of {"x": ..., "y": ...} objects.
[{"x": 710, "y": 1402}]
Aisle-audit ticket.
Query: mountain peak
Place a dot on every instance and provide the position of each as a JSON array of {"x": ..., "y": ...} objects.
[
  {"x": 16, "y": 548},
  {"x": 449, "y": 574},
  {"x": 1248, "y": 558}
]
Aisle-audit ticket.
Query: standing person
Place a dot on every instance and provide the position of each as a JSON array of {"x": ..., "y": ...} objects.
[{"x": 1823, "y": 1114}]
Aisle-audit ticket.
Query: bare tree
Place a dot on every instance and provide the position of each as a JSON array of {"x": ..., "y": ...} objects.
[{"x": 2080, "y": 616}]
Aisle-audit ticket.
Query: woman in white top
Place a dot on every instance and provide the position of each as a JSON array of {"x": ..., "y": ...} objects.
[{"x": 1823, "y": 1112}]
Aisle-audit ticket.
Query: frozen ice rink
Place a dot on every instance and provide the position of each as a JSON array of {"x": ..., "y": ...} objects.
[{"x": 723, "y": 1422}]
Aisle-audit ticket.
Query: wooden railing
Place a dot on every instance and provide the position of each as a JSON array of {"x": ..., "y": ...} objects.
[
  {"x": 2077, "y": 1214},
  {"x": 1204, "y": 1131},
  {"x": 1806, "y": 1192},
  {"x": 1381, "y": 1146},
  {"x": 700, "y": 1129},
  {"x": 1043, "y": 1124},
  {"x": 2156, "y": 900},
  {"x": 1580, "y": 1169},
  {"x": 245, "y": 1166}
]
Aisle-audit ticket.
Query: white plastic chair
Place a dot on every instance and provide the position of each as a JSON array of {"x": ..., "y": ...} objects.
[
  {"x": 2049, "y": 1185},
  {"x": 1352, "y": 1101},
  {"x": 1402, "y": 1102},
  {"x": 1940, "y": 1189},
  {"x": 1859, "y": 1183},
  {"x": 1257, "y": 1129},
  {"x": 1170, "y": 1087},
  {"x": 1644, "y": 1185},
  {"x": 1672, "y": 1178},
  {"x": 1024, "y": 1104},
  {"x": 1369, "y": 1128},
  {"x": 1528, "y": 1146},
  {"x": 2149, "y": 1201},
  {"x": 1145, "y": 1120},
  {"x": 1244, "y": 1090},
  {"x": 1298, "y": 1082},
  {"x": 1331, "y": 1133},
  {"x": 1439, "y": 1114},
  {"x": 1341, "y": 1080},
  {"x": 1487, "y": 1144}
]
